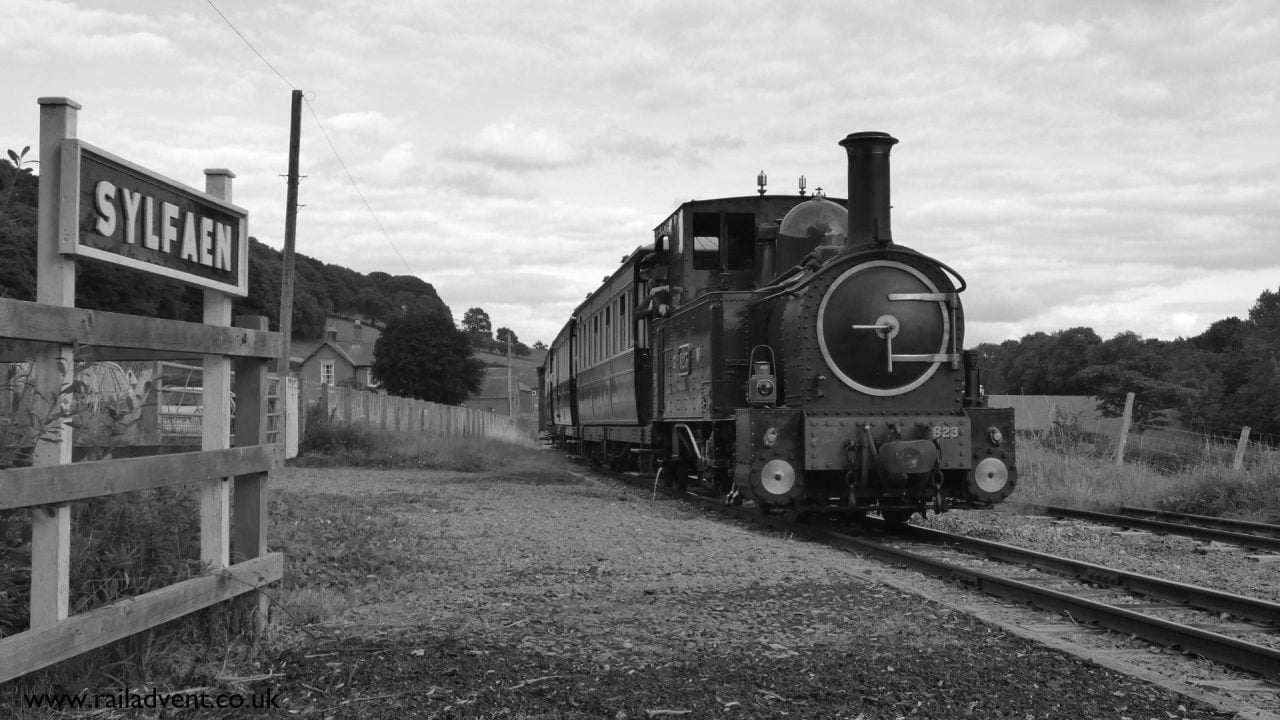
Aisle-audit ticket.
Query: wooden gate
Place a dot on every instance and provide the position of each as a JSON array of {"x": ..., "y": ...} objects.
[{"x": 48, "y": 332}]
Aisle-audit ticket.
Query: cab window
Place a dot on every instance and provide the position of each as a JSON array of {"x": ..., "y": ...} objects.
[
  {"x": 740, "y": 240},
  {"x": 706, "y": 241}
]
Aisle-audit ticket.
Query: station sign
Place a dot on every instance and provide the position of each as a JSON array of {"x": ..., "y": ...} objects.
[{"x": 130, "y": 216}]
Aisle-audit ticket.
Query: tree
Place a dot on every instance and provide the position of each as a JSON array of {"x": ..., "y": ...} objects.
[
  {"x": 1043, "y": 364},
  {"x": 517, "y": 347},
  {"x": 424, "y": 356},
  {"x": 1250, "y": 368},
  {"x": 1129, "y": 364},
  {"x": 476, "y": 323},
  {"x": 539, "y": 345}
]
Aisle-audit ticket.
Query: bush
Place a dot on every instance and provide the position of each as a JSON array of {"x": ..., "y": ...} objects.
[
  {"x": 326, "y": 435},
  {"x": 121, "y": 546}
]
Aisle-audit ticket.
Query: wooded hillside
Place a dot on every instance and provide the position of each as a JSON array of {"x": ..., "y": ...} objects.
[{"x": 320, "y": 288}]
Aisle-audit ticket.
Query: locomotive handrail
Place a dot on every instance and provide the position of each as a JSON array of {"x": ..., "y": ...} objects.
[
  {"x": 946, "y": 297},
  {"x": 928, "y": 357},
  {"x": 956, "y": 275}
]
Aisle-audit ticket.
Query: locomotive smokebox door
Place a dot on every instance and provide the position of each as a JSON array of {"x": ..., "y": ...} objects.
[{"x": 884, "y": 327}]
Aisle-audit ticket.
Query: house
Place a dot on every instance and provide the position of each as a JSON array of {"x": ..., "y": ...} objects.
[
  {"x": 344, "y": 356},
  {"x": 1039, "y": 412},
  {"x": 494, "y": 395}
]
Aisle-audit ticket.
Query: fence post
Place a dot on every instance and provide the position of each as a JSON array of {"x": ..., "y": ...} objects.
[
  {"x": 215, "y": 414},
  {"x": 324, "y": 403},
  {"x": 55, "y": 367},
  {"x": 1241, "y": 445},
  {"x": 302, "y": 407},
  {"x": 1124, "y": 428},
  {"x": 249, "y": 534}
]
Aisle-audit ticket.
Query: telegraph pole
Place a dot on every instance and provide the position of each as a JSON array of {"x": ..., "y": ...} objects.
[
  {"x": 290, "y": 231},
  {"x": 511, "y": 412}
]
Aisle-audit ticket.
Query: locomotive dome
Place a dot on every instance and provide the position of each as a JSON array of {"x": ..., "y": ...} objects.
[{"x": 817, "y": 219}]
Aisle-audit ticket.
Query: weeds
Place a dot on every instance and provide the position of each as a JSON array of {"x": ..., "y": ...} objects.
[
  {"x": 1066, "y": 465},
  {"x": 329, "y": 442},
  {"x": 341, "y": 553}
]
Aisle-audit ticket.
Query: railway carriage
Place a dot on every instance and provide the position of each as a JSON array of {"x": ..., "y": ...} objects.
[{"x": 784, "y": 350}]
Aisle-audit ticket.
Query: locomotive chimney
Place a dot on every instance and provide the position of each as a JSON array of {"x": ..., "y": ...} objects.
[{"x": 869, "y": 187}]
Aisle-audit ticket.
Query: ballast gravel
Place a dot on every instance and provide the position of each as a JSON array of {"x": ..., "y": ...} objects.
[{"x": 559, "y": 595}]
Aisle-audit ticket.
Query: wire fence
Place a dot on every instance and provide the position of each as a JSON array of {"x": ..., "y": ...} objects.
[
  {"x": 1174, "y": 449},
  {"x": 1075, "y": 425}
]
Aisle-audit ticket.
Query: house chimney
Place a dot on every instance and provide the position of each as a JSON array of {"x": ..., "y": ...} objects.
[
  {"x": 331, "y": 334},
  {"x": 359, "y": 331},
  {"x": 869, "y": 187}
]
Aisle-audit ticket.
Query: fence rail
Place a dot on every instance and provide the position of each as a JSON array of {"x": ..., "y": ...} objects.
[{"x": 231, "y": 480}]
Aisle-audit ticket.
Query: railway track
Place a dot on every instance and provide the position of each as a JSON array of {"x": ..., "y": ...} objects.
[
  {"x": 1241, "y": 526},
  {"x": 1118, "y": 600},
  {"x": 1237, "y": 634},
  {"x": 1210, "y": 623},
  {"x": 1224, "y": 531}
]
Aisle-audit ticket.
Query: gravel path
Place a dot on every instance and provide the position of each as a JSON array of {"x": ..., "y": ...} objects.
[{"x": 560, "y": 596}]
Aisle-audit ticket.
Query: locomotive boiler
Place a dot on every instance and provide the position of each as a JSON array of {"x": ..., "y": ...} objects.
[{"x": 784, "y": 350}]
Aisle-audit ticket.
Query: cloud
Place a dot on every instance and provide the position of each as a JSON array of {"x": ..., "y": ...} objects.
[
  {"x": 515, "y": 145},
  {"x": 48, "y": 29},
  {"x": 1079, "y": 163}
]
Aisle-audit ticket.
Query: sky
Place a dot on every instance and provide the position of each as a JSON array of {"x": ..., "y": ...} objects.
[{"x": 1112, "y": 164}]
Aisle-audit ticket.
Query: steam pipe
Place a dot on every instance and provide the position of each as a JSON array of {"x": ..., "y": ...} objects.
[{"x": 869, "y": 187}]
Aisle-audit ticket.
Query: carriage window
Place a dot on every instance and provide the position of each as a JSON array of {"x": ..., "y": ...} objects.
[
  {"x": 740, "y": 243},
  {"x": 624, "y": 328}
]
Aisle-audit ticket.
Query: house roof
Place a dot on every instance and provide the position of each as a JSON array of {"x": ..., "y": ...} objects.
[{"x": 358, "y": 354}]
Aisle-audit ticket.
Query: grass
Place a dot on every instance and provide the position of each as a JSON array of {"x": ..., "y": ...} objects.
[
  {"x": 1064, "y": 466},
  {"x": 342, "y": 552},
  {"x": 335, "y": 443}
]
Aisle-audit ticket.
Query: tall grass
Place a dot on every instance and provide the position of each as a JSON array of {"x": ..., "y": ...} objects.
[
  {"x": 329, "y": 442},
  {"x": 1065, "y": 466}
]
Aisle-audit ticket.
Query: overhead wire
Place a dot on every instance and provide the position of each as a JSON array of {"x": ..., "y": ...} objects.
[{"x": 332, "y": 148}]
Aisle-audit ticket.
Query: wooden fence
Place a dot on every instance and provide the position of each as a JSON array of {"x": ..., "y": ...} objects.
[
  {"x": 47, "y": 332},
  {"x": 401, "y": 415}
]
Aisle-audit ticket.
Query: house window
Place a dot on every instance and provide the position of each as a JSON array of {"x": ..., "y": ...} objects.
[{"x": 326, "y": 372}]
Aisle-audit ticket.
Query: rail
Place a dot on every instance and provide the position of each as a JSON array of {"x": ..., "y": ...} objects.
[{"x": 1259, "y": 542}]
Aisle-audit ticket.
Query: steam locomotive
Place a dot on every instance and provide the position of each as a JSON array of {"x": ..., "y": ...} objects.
[{"x": 784, "y": 350}]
